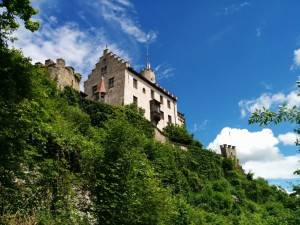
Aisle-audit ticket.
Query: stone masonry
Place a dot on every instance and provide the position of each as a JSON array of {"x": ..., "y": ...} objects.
[
  {"x": 110, "y": 66},
  {"x": 122, "y": 85},
  {"x": 228, "y": 151},
  {"x": 62, "y": 74}
]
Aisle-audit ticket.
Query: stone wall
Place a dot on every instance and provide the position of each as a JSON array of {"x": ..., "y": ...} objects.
[
  {"x": 62, "y": 74},
  {"x": 109, "y": 66},
  {"x": 159, "y": 136},
  {"x": 228, "y": 151}
]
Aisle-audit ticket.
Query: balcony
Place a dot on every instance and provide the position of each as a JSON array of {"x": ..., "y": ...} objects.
[{"x": 155, "y": 112}]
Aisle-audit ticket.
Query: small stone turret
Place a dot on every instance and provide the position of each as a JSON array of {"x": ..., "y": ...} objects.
[
  {"x": 148, "y": 73},
  {"x": 228, "y": 151}
]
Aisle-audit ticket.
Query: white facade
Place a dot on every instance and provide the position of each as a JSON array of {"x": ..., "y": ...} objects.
[
  {"x": 132, "y": 87},
  {"x": 143, "y": 94}
]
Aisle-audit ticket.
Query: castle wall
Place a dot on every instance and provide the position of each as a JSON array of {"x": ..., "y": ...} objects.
[
  {"x": 145, "y": 98},
  {"x": 228, "y": 151},
  {"x": 110, "y": 67},
  {"x": 62, "y": 74}
]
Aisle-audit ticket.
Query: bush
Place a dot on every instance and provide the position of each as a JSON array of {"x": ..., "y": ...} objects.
[{"x": 178, "y": 134}]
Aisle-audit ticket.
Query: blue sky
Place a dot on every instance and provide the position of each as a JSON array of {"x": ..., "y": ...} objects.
[{"x": 222, "y": 59}]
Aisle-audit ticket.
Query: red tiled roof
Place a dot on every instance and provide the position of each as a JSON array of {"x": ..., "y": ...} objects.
[{"x": 101, "y": 86}]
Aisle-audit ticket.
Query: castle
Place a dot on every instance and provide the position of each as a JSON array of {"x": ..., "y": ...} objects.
[
  {"x": 228, "y": 151},
  {"x": 63, "y": 75},
  {"x": 115, "y": 82}
]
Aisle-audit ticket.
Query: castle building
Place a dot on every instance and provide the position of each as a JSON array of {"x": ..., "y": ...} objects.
[
  {"x": 63, "y": 75},
  {"x": 115, "y": 82},
  {"x": 228, "y": 151}
]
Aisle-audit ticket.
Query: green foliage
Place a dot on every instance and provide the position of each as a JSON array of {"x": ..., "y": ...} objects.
[
  {"x": 284, "y": 114},
  {"x": 11, "y": 11},
  {"x": 67, "y": 160},
  {"x": 180, "y": 135}
]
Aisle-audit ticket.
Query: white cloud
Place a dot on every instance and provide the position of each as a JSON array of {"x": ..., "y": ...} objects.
[
  {"x": 66, "y": 42},
  {"x": 282, "y": 168},
  {"x": 164, "y": 71},
  {"x": 288, "y": 138},
  {"x": 199, "y": 126},
  {"x": 257, "y": 146},
  {"x": 267, "y": 101},
  {"x": 258, "y": 152},
  {"x": 258, "y": 31},
  {"x": 266, "y": 85},
  {"x": 121, "y": 12},
  {"x": 234, "y": 8},
  {"x": 297, "y": 57},
  {"x": 79, "y": 48}
]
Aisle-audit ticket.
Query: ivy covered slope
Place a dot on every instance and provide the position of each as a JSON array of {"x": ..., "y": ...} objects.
[{"x": 66, "y": 160}]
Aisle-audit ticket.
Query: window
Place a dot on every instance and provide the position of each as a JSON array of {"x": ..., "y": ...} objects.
[
  {"x": 135, "y": 83},
  {"x": 144, "y": 90},
  {"x": 111, "y": 82},
  {"x": 104, "y": 69},
  {"x": 161, "y": 99},
  {"x": 152, "y": 94},
  {"x": 135, "y": 100},
  {"x": 162, "y": 115},
  {"x": 169, "y": 104},
  {"x": 94, "y": 89},
  {"x": 169, "y": 119},
  {"x": 102, "y": 97}
]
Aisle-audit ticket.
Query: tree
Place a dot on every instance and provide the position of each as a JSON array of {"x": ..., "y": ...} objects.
[
  {"x": 11, "y": 11},
  {"x": 284, "y": 114}
]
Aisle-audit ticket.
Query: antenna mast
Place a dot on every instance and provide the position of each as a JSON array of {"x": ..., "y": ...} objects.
[{"x": 148, "y": 66}]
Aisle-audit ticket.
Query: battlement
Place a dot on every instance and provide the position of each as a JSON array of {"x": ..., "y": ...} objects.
[
  {"x": 228, "y": 151},
  {"x": 62, "y": 74}
]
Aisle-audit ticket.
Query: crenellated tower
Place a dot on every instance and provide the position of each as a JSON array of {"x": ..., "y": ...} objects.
[{"x": 228, "y": 151}]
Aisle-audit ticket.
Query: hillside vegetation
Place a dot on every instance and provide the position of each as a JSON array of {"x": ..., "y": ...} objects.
[{"x": 67, "y": 160}]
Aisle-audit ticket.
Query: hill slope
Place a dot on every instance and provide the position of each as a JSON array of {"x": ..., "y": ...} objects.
[{"x": 66, "y": 160}]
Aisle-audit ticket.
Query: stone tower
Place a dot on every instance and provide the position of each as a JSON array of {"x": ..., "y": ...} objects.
[
  {"x": 148, "y": 73},
  {"x": 228, "y": 151},
  {"x": 63, "y": 75}
]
